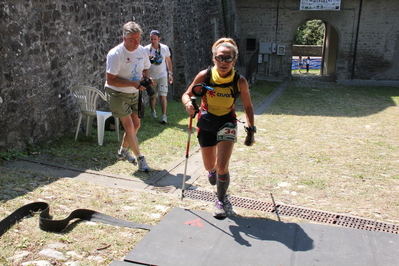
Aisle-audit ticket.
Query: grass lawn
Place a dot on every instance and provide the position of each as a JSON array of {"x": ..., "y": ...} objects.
[{"x": 320, "y": 145}]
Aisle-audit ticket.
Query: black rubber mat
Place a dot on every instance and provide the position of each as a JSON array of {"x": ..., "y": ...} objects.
[
  {"x": 46, "y": 223},
  {"x": 186, "y": 237}
]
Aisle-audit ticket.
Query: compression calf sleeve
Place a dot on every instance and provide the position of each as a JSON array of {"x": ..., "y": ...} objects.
[{"x": 222, "y": 184}]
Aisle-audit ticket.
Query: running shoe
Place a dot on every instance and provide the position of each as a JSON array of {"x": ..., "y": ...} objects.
[
  {"x": 212, "y": 177},
  {"x": 154, "y": 114},
  {"x": 164, "y": 119},
  {"x": 219, "y": 211},
  {"x": 125, "y": 155},
  {"x": 143, "y": 165}
]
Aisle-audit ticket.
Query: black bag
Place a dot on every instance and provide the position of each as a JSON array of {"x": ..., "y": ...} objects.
[{"x": 210, "y": 122}]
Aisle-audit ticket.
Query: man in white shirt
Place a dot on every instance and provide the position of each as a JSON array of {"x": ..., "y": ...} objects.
[
  {"x": 160, "y": 70},
  {"x": 127, "y": 66}
]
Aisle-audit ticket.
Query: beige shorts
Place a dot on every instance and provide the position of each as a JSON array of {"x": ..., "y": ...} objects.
[
  {"x": 161, "y": 89},
  {"x": 122, "y": 104}
]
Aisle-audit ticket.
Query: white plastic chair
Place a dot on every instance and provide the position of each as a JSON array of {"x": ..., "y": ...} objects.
[{"x": 87, "y": 97}]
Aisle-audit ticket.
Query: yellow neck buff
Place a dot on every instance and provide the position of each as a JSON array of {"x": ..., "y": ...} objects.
[{"x": 217, "y": 79}]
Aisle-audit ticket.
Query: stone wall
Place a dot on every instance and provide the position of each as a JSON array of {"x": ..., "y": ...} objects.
[
  {"x": 377, "y": 52},
  {"x": 46, "y": 47},
  {"x": 307, "y": 50}
]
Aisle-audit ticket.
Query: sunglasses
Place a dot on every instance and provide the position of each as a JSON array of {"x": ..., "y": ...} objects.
[{"x": 224, "y": 59}]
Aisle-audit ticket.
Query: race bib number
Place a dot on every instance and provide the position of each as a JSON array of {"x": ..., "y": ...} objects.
[{"x": 228, "y": 132}]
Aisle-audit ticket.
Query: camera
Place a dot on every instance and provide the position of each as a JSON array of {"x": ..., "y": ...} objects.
[
  {"x": 150, "y": 91},
  {"x": 146, "y": 83},
  {"x": 157, "y": 59}
]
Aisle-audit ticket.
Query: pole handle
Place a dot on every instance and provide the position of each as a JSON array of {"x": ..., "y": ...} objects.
[{"x": 193, "y": 101}]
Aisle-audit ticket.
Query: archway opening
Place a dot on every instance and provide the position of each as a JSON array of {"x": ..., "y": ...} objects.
[
  {"x": 308, "y": 46},
  {"x": 315, "y": 49}
]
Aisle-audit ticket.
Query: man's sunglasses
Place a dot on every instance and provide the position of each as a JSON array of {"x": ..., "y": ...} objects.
[{"x": 224, "y": 59}]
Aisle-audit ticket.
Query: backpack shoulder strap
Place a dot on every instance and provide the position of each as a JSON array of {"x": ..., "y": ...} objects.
[
  {"x": 236, "y": 91},
  {"x": 208, "y": 75}
]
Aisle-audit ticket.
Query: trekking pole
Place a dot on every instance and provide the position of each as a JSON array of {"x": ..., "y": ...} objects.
[{"x": 190, "y": 127}]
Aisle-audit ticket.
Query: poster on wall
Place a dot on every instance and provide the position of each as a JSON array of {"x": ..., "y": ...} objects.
[{"x": 326, "y": 5}]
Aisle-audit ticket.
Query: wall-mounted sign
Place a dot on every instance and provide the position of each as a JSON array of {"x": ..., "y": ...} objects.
[{"x": 326, "y": 5}]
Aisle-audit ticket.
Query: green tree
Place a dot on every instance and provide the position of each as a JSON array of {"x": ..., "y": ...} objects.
[{"x": 310, "y": 33}]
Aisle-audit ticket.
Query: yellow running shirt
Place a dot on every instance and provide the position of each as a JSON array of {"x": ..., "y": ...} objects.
[{"x": 220, "y": 101}]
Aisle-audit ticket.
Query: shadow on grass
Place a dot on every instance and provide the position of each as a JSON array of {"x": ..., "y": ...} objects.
[
  {"x": 161, "y": 144},
  {"x": 154, "y": 139}
]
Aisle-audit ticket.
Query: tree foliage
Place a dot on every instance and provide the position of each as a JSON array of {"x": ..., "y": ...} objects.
[{"x": 310, "y": 33}]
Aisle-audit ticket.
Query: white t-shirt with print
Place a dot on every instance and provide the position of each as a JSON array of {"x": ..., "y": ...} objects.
[
  {"x": 158, "y": 71},
  {"x": 127, "y": 65}
]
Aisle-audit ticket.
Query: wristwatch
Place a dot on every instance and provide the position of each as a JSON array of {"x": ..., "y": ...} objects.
[{"x": 253, "y": 129}]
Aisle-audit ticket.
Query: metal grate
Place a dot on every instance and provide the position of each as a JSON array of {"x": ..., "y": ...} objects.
[
  {"x": 308, "y": 214},
  {"x": 365, "y": 224}
]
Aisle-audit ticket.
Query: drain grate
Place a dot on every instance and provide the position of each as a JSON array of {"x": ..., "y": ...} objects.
[
  {"x": 308, "y": 214},
  {"x": 365, "y": 224}
]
